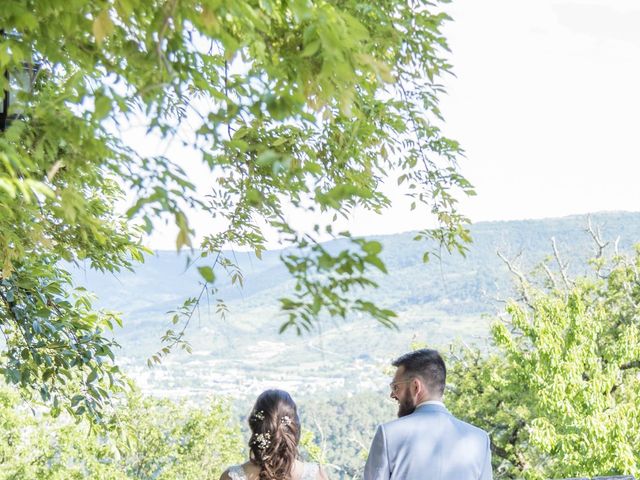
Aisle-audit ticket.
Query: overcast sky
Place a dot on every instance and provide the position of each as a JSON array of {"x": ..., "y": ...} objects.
[{"x": 546, "y": 104}]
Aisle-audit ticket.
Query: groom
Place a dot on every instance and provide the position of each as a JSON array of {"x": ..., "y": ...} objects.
[{"x": 426, "y": 442}]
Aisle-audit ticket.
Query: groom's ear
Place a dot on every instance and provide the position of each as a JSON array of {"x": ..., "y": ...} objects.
[
  {"x": 417, "y": 384},
  {"x": 420, "y": 386}
]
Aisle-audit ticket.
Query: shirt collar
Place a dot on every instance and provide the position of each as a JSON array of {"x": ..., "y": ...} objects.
[{"x": 430, "y": 402}]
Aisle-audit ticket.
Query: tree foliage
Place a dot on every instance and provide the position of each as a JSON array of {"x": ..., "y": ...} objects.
[
  {"x": 291, "y": 106},
  {"x": 561, "y": 396},
  {"x": 155, "y": 439},
  {"x": 342, "y": 428}
]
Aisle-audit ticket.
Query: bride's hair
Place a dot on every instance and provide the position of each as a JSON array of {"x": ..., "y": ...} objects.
[{"x": 275, "y": 433}]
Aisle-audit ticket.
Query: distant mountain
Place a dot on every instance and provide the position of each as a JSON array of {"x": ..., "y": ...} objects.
[{"x": 450, "y": 298}]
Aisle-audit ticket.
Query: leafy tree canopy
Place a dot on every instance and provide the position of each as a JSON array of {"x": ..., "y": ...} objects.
[
  {"x": 292, "y": 105},
  {"x": 561, "y": 396}
]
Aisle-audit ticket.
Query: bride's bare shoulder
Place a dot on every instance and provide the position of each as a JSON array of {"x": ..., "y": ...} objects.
[
  {"x": 249, "y": 471},
  {"x": 244, "y": 471},
  {"x": 322, "y": 475},
  {"x": 309, "y": 471}
]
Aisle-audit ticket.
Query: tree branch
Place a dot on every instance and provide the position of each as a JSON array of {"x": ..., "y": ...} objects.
[
  {"x": 629, "y": 365},
  {"x": 547, "y": 270},
  {"x": 163, "y": 31},
  {"x": 524, "y": 285},
  {"x": 561, "y": 266},
  {"x": 597, "y": 238}
]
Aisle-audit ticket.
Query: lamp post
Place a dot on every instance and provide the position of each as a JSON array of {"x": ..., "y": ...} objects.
[
  {"x": 21, "y": 80},
  {"x": 4, "y": 110}
]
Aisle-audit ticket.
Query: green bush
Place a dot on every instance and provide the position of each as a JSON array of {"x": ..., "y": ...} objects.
[
  {"x": 149, "y": 439},
  {"x": 561, "y": 395}
]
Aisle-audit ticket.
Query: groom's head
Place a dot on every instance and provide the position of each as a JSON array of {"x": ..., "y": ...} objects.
[{"x": 420, "y": 376}]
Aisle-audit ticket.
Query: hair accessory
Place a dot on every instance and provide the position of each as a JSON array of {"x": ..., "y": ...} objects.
[
  {"x": 259, "y": 415},
  {"x": 262, "y": 440},
  {"x": 286, "y": 421}
]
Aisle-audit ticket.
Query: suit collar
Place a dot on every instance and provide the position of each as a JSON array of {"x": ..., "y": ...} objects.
[{"x": 431, "y": 407}]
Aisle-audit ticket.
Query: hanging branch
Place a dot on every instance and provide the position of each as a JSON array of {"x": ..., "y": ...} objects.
[{"x": 163, "y": 30}]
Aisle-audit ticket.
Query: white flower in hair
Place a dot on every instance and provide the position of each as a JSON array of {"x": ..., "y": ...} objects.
[
  {"x": 259, "y": 415},
  {"x": 262, "y": 440},
  {"x": 286, "y": 421}
]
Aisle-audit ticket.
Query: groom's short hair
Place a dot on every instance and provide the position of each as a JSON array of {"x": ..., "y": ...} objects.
[{"x": 427, "y": 364}]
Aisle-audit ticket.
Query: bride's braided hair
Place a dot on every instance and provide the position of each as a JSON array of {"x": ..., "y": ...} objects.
[{"x": 275, "y": 433}]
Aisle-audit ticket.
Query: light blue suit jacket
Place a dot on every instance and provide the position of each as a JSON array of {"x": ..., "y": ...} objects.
[{"x": 429, "y": 444}]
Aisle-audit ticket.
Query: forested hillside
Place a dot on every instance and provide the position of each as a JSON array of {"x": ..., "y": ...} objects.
[{"x": 238, "y": 353}]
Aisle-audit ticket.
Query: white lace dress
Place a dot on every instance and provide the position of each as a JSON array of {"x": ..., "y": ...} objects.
[{"x": 310, "y": 472}]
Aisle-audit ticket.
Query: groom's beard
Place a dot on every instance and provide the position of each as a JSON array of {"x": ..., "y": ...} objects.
[{"x": 406, "y": 407}]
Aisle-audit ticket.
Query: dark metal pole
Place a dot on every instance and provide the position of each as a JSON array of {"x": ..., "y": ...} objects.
[
  {"x": 5, "y": 99},
  {"x": 5, "y": 106}
]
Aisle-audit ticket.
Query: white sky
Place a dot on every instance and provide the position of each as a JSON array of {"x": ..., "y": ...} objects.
[{"x": 546, "y": 104}]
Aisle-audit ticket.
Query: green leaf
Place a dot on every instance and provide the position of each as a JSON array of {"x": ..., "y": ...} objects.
[
  {"x": 376, "y": 262},
  {"x": 102, "y": 26},
  {"x": 311, "y": 48},
  {"x": 372, "y": 247},
  {"x": 102, "y": 106},
  {"x": 92, "y": 376},
  {"x": 207, "y": 273}
]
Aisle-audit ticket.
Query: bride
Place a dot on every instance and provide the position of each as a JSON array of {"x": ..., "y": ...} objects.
[{"x": 275, "y": 433}]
